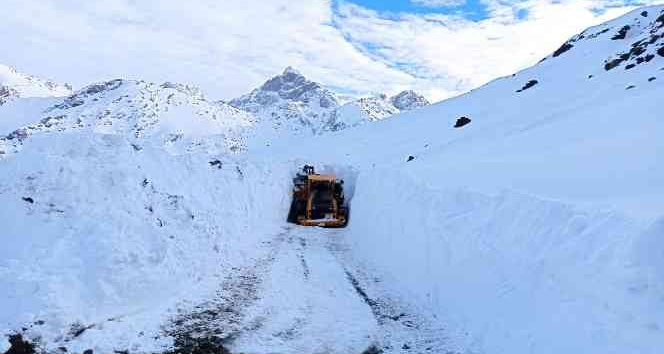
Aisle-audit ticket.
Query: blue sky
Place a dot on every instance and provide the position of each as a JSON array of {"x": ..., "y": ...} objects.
[{"x": 471, "y": 9}]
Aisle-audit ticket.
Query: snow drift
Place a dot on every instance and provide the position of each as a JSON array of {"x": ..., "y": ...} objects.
[{"x": 93, "y": 230}]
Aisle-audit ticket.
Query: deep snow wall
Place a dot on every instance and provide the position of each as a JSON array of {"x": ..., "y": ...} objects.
[
  {"x": 94, "y": 227},
  {"x": 518, "y": 273}
]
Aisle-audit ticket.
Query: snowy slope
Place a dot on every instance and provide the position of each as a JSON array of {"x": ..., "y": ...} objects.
[
  {"x": 535, "y": 227},
  {"x": 290, "y": 104},
  {"x": 14, "y": 84}
]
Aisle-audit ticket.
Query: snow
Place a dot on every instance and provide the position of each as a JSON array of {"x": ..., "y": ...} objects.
[
  {"x": 533, "y": 219},
  {"x": 649, "y": 254},
  {"x": 109, "y": 232},
  {"x": 4, "y": 345},
  {"x": 307, "y": 297},
  {"x": 290, "y": 104},
  {"x": 135, "y": 210},
  {"x": 511, "y": 269},
  {"x": 19, "y": 113},
  {"x": 29, "y": 86},
  {"x": 539, "y": 241},
  {"x": 174, "y": 116}
]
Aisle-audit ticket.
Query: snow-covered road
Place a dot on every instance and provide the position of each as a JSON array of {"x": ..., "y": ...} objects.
[
  {"x": 315, "y": 298},
  {"x": 306, "y": 304}
]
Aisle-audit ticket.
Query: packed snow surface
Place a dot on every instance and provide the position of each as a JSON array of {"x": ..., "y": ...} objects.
[{"x": 136, "y": 215}]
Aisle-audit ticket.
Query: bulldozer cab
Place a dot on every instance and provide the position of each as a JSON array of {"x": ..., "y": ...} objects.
[{"x": 318, "y": 200}]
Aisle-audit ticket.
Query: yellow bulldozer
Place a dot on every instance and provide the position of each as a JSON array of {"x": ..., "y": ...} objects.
[{"x": 318, "y": 200}]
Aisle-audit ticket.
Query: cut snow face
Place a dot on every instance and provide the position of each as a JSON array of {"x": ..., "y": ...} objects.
[{"x": 117, "y": 239}]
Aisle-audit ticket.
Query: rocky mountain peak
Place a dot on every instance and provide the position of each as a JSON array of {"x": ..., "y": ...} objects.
[
  {"x": 290, "y": 101},
  {"x": 289, "y": 70},
  {"x": 292, "y": 85},
  {"x": 409, "y": 99}
]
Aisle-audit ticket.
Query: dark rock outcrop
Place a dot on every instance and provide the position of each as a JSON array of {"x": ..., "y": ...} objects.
[
  {"x": 622, "y": 33},
  {"x": 564, "y": 48},
  {"x": 528, "y": 85},
  {"x": 461, "y": 122},
  {"x": 20, "y": 345}
]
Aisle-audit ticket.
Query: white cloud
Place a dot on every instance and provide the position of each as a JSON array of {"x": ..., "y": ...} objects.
[
  {"x": 228, "y": 47},
  {"x": 437, "y": 3},
  {"x": 453, "y": 54}
]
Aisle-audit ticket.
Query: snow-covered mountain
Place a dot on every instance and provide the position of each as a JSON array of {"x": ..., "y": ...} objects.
[
  {"x": 175, "y": 116},
  {"x": 536, "y": 226},
  {"x": 14, "y": 84},
  {"x": 371, "y": 109},
  {"x": 178, "y": 115},
  {"x": 291, "y": 103}
]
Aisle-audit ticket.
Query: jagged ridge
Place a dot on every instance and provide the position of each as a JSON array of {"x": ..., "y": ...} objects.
[{"x": 293, "y": 103}]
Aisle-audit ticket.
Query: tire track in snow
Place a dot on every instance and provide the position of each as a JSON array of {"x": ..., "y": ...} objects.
[
  {"x": 402, "y": 328},
  {"x": 307, "y": 304},
  {"x": 303, "y": 260},
  {"x": 213, "y": 324},
  {"x": 307, "y": 296}
]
